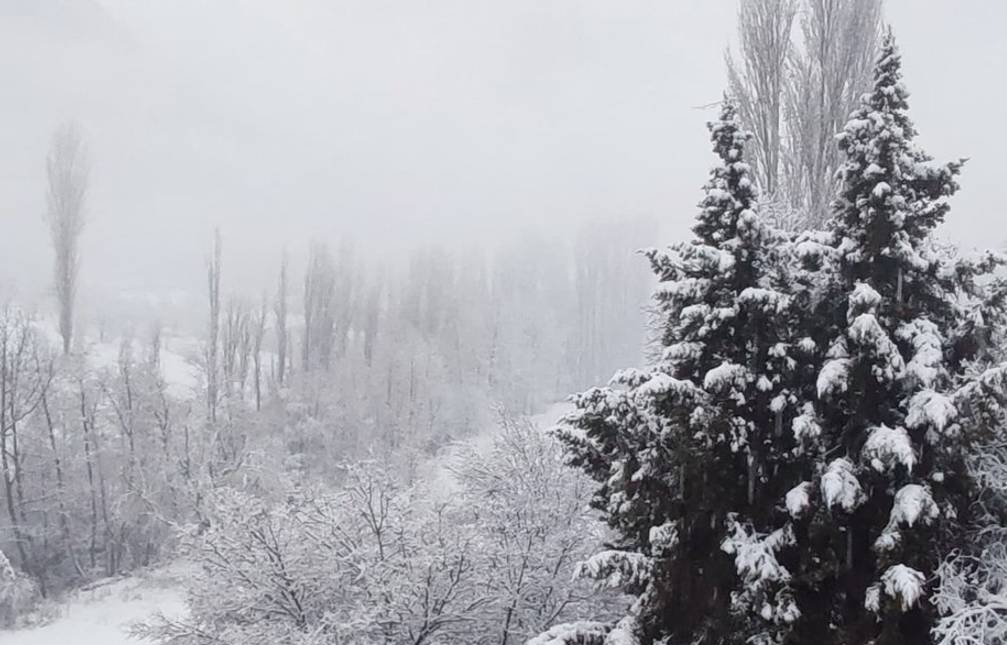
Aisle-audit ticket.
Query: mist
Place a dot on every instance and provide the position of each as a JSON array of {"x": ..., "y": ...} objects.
[
  {"x": 398, "y": 123},
  {"x": 456, "y": 322}
]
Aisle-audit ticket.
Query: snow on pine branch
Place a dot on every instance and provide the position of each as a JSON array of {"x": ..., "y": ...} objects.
[
  {"x": 886, "y": 448},
  {"x": 913, "y": 503},
  {"x": 755, "y": 554},
  {"x": 930, "y": 408},
  {"x": 904, "y": 585},
  {"x": 805, "y": 425},
  {"x": 833, "y": 378},
  {"x": 615, "y": 569},
  {"x": 862, "y": 300},
  {"x": 840, "y": 486},
  {"x": 867, "y": 333},
  {"x": 926, "y": 364},
  {"x": 798, "y": 499},
  {"x": 727, "y": 378}
]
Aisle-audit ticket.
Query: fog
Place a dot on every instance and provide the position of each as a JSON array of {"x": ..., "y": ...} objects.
[
  {"x": 438, "y": 322},
  {"x": 401, "y": 122}
]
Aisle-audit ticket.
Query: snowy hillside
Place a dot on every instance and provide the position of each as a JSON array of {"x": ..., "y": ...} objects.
[{"x": 177, "y": 358}]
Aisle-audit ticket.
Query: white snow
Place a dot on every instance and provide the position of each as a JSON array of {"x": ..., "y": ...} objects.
[
  {"x": 582, "y": 631},
  {"x": 624, "y": 633},
  {"x": 663, "y": 538},
  {"x": 798, "y": 499},
  {"x": 863, "y": 299},
  {"x": 872, "y": 598},
  {"x": 613, "y": 569},
  {"x": 912, "y": 503},
  {"x": 660, "y": 384},
  {"x": 881, "y": 189},
  {"x": 103, "y": 615},
  {"x": 930, "y": 408},
  {"x": 925, "y": 365},
  {"x": 840, "y": 486},
  {"x": 182, "y": 377},
  {"x": 755, "y": 554},
  {"x": 725, "y": 375},
  {"x": 768, "y": 301},
  {"x": 833, "y": 377},
  {"x": 904, "y": 584},
  {"x": 887, "y": 448},
  {"x": 868, "y": 334},
  {"x": 683, "y": 351},
  {"x": 805, "y": 425}
]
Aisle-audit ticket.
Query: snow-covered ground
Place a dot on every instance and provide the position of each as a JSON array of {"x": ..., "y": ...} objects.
[{"x": 102, "y": 615}]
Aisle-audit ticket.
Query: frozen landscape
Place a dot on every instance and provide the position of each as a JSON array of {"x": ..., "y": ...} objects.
[
  {"x": 103, "y": 614},
  {"x": 523, "y": 322}
]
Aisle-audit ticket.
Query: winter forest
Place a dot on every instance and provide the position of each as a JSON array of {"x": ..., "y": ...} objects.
[{"x": 350, "y": 323}]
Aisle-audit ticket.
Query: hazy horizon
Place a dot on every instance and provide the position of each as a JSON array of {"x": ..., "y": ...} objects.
[{"x": 396, "y": 123}]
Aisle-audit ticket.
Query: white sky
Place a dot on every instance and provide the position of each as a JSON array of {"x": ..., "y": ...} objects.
[{"x": 396, "y": 121}]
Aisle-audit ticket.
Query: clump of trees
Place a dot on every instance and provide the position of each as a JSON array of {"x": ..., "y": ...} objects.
[
  {"x": 106, "y": 460},
  {"x": 377, "y": 560},
  {"x": 94, "y": 460},
  {"x": 794, "y": 466}
]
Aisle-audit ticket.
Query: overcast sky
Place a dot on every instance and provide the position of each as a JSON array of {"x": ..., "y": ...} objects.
[{"x": 398, "y": 121}]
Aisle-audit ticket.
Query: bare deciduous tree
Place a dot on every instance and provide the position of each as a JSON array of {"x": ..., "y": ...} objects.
[
  {"x": 67, "y": 173},
  {"x": 759, "y": 77},
  {"x": 795, "y": 93},
  {"x": 280, "y": 309},
  {"x": 258, "y": 332},
  {"x": 213, "y": 282},
  {"x": 319, "y": 307},
  {"x": 828, "y": 75}
]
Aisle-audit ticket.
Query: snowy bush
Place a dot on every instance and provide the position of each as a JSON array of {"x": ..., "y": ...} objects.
[
  {"x": 972, "y": 597},
  {"x": 374, "y": 560}
]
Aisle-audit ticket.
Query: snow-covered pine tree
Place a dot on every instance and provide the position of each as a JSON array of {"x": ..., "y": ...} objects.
[
  {"x": 885, "y": 477},
  {"x": 688, "y": 452}
]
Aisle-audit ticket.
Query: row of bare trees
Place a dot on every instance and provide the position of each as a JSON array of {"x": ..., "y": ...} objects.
[
  {"x": 99, "y": 462},
  {"x": 103, "y": 460},
  {"x": 799, "y": 71},
  {"x": 364, "y": 355}
]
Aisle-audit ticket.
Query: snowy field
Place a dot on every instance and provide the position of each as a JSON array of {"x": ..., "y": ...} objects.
[{"x": 102, "y": 615}]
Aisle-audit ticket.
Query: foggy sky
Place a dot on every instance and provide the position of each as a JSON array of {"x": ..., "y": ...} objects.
[{"x": 403, "y": 121}]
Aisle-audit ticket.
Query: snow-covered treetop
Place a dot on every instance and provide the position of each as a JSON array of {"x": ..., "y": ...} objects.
[
  {"x": 893, "y": 194},
  {"x": 730, "y": 192}
]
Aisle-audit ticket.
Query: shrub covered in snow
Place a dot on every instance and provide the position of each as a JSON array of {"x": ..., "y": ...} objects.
[{"x": 376, "y": 561}]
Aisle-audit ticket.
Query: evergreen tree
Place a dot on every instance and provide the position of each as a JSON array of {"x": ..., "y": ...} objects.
[
  {"x": 686, "y": 451},
  {"x": 808, "y": 416},
  {"x": 884, "y": 475}
]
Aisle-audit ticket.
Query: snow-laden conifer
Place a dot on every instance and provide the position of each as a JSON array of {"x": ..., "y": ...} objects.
[{"x": 690, "y": 452}]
